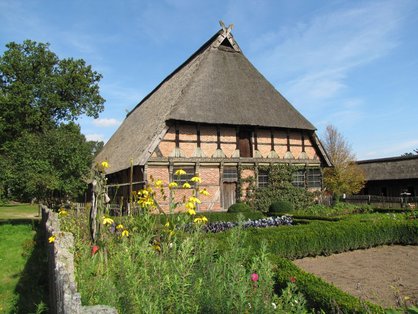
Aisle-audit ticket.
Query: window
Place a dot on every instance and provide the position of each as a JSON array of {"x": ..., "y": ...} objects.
[
  {"x": 263, "y": 178},
  {"x": 298, "y": 178},
  {"x": 230, "y": 174},
  {"x": 180, "y": 180},
  {"x": 314, "y": 178}
]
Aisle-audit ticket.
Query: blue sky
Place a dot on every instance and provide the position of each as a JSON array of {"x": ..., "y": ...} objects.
[{"x": 353, "y": 64}]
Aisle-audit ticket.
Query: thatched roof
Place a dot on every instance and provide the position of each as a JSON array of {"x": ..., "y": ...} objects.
[
  {"x": 217, "y": 85},
  {"x": 395, "y": 168}
]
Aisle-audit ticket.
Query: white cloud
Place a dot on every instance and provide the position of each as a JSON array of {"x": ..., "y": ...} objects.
[
  {"x": 316, "y": 55},
  {"x": 105, "y": 122},
  {"x": 94, "y": 137}
]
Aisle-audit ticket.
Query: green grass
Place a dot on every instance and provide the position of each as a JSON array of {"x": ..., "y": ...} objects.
[
  {"x": 23, "y": 278},
  {"x": 19, "y": 211}
]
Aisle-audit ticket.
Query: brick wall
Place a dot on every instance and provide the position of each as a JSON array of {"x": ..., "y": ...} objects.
[{"x": 208, "y": 138}]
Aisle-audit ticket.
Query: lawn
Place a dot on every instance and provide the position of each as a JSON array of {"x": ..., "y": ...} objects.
[
  {"x": 22, "y": 261},
  {"x": 19, "y": 211}
]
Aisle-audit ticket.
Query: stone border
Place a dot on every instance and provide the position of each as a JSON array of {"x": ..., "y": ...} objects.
[{"x": 63, "y": 295}]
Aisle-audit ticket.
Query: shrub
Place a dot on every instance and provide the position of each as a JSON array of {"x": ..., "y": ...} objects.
[
  {"x": 281, "y": 207},
  {"x": 239, "y": 208}
]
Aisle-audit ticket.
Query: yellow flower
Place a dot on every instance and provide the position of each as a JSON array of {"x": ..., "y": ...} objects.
[
  {"x": 51, "y": 239},
  {"x": 62, "y": 213},
  {"x": 191, "y": 212},
  {"x": 199, "y": 220},
  {"x": 186, "y": 185},
  {"x": 167, "y": 224},
  {"x": 204, "y": 192},
  {"x": 158, "y": 183},
  {"x": 195, "y": 200},
  {"x": 125, "y": 233},
  {"x": 157, "y": 247},
  {"x": 172, "y": 233},
  {"x": 107, "y": 221},
  {"x": 105, "y": 164},
  {"x": 196, "y": 179},
  {"x": 190, "y": 205},
  {"x": 180, "y": 172},
  {"x": 120, "y": 226},
  {"x": 172, "y": 185}
]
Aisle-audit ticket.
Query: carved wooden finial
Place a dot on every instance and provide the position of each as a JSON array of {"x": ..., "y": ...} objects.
[{"x": 228, "y": 29}]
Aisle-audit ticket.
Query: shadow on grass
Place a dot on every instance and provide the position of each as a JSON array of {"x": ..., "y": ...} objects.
[
  {"x": 14, "y": 222},
  {"x": 32, "y": 287}
]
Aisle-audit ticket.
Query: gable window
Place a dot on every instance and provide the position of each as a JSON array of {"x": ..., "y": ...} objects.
[
  {"x": 263, "y": 178},
  {"x": 298, "y": 178},
  {"x": 180, "y": 180},
  {"x": 230, "y": 174},
  {"x": 314, "y": 178}
]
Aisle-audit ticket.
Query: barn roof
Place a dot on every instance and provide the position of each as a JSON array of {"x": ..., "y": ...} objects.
[
  {"x": 394, "y": 168},
  {"x": 217, "y": 85}
]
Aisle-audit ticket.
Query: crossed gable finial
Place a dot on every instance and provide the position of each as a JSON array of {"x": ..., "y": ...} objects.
[{"x": 228, "y": 29}]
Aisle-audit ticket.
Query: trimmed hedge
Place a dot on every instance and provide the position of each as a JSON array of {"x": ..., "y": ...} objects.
[
  {"x": 281, "y": 207},
  {"x": 320, "y": 294},
  {"x": 225, "y": 216},
  {"x": 239, "y": 208},
  {"x": 325, "y": 238}
]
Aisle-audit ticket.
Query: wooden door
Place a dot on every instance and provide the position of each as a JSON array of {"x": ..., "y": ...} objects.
[
  {"x": 229, "y": 194},
  {"x": 245, "y": 149}
]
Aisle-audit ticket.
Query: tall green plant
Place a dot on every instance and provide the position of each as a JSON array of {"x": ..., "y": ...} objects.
[{"x": 280, "y": 187}]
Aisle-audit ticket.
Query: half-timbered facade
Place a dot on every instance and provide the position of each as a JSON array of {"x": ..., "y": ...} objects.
[{"x": 218, "y": 117}]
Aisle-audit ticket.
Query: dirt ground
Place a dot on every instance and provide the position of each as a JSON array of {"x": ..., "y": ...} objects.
[{"x": 386, "y": 275}]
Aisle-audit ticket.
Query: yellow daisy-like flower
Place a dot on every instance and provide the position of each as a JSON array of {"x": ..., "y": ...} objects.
[
  {"x": 158, "y": 183},
  {"x": 195, "y": 200},
  {"x": 119, "y": 227},
  {"x": 62, "y": 213},
  {"x": 105, "y": 164},
  {"x": 204, "y": 192},
  {"x": 172, "y": 185},
  {"x": 125, "y": 233},
  {"x": 186, "y": 185},
  {"x": 191, "y": 212},
  {"x": 180, "y": 172},
  {"x": 51, "y": 239},
  {"x": 196, "y": 179},
  {"x": 190, "y": 205},
  {"x": 107, "y": 221},
  {"x": 167, "y": 224},
  {"x": 200, "y": 220}
]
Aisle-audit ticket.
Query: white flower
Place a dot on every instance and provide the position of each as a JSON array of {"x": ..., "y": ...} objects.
[{"x": 274, "y": 305}]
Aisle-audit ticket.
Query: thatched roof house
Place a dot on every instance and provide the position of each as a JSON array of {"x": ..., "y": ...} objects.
[
  {"x": 214, "y": 108},
  {"x": 391, "y": 176}
]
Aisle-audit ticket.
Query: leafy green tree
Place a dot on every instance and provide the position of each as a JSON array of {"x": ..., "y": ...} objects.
[
  {"x": 48, "y": 166},
  {"x": 345, "y": 176},
  {"x": 38, "y": 90},
  {"x": 42, "y": 152}
]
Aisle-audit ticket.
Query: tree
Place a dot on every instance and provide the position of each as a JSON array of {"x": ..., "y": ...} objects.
[
  {"x": 345, "y": 176},
  {"x": 410, "y": 154},
  {"x": 42, "y": 152},
  {"x": 38, "y": 91}
]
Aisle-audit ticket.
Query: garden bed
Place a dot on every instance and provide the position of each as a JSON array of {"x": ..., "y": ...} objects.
[{"x": 384, "y": 275}]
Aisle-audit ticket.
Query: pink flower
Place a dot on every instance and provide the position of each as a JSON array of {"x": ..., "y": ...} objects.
[
  {"x": 292, "y": 279},
  {"x": 94, "y": 249},
  {"x": 254, "y": 277}
]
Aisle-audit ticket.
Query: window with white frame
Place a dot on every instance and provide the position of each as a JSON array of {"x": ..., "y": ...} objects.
[
  {"x": 298, "y": 178},
  {"x": 314, "y": 178},
  {"x": 263, "y": 178}
]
